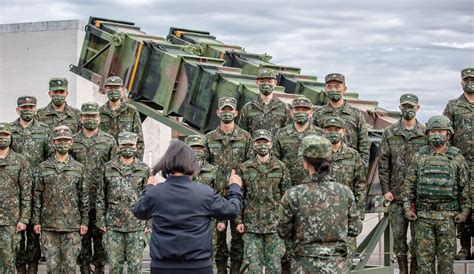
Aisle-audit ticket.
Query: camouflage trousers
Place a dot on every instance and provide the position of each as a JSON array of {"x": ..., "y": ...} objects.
[
  {"x": 399, "y": 225},
  {"x": 92, "y": 251},
  {"x": 351, "y": 250},
  {"x": 237, "y": 244},
  {"x": 263, "y": 250},
  {"x": 435, "y": 238},
  {"x": 9, "y": 241},
  {"x": 118, "y": 244},
  {"x": 61, "y": 250},
  {"x": 29, "y": 250},
  {"x": 312, "y": 265}
]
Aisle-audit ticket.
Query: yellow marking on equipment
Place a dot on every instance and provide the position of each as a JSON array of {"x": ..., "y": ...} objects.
[
  {"x": 179, "y": 33},
  {"x": 135, "y": 67},
  {"x": 98, "y": 23}
]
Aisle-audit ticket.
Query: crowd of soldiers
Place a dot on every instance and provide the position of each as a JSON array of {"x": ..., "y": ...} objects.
[{"x": 73, "y": 176}]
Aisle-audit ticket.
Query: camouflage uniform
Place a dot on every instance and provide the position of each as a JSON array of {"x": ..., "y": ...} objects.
[
  {"x": 317, "y": 217},
  {"x": 34, "y": 143},
  {"x": 287, "y": 143},
  {"x": 227, "y": 152},
  {"x": 61, "y": 188},
  {"x": 93, "y": 152},
  {"x": 396, "y": 150},
  {"x": 15, "y": 203},
  {"x": 461, "y": 112},
  {"x": 437, "y": 184},
  {"x": 69, "y": 116},
  {"x": 125, "y": 118},
  {"x": 121, "y": 187},
  {"x": 258, "y": 115},
  {"x": 263, "y": 185}
]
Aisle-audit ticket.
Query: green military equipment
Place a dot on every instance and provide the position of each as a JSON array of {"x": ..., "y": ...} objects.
[
  {"x": 26, "y": 101},
  {"x": 58, "y": 83},
  {"x": 90, "y": 108},
  {"x": 439, "y": 122}
]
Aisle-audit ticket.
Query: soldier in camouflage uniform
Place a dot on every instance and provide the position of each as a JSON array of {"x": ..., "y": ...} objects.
[
  {"x": 58, "y": 112},
  {"x": 318, "y": 216},
  {"x": 398, "y": 145},
  {"x": 265, "y": 111},
  {"x": 228, "y": 147},
  {"x": 61, "y": 205},
  {"x": 30, "y": 138},
  {"x": 348, "y": 169},
  {"x": 461, "y": 113},
  {"x": 93, "y": 148},
  {"x": 265, "y": 180},
  {"x": 437, "y": 184},
  {"x": 357, "y": 136},
  {"x": 15, "y": 199},
  {"x": 125, "y": 178},
  {"x": 117, "y": 116}
]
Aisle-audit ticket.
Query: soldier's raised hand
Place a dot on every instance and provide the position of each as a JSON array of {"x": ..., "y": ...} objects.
[
  {"x": 460, "y": 218},
  {"x": 235, "y": 179}
]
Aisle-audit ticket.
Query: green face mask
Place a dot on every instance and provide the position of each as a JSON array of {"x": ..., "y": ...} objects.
[
  {"x": 227, "y": 117},
  {"x": 5, "y": 142},
  {"x": 334, "y": 95},
  {"x": 91, "y": 124},
  {"x": 468, "y": 87},
  {"x": 200, "y": 155},
  {"x": 262, "y": 149},
  {"x": 334, "y": 137},
  {"x": 114, "y": 95},
  {"x": 265, "y": 89},
  {"x": 301, "y": 117},
  {"x": 62, "y": 148},
  {"x": 437, "y": 139},
  {"x": 58, "y": 100},
  {"x": 408, "y": 113},
  {"x": 27, "y": 114},
  {"x": 127, "y": 152}
]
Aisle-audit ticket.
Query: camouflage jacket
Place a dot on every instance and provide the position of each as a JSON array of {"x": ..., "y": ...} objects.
[
  {"x": 263, "y": 186},
  {"x": 257, "y": 115},
  {"x": 317, "y": 217},
  {"x": 286, "y": 147},
  {"x": 227, "y": 152},
  {"x": 15, "y": 190},
  {"x": 121, "y": 187},
  {"x": 70, "y": 117},
  {"x": 437, "y": 183},
  {"x": 461, "y": 113},
  {"x": 348, "y": 169},
  {"x": 357, "y": 136},
  {"x": 33, "y": 142},
  {"x": 93, "y": 153},
  {"x": 396, "y": 150},
  {"x": 207, "y": 175},
  {"x": 126, "y": 118},
  {"x": 61, "y": 197}
]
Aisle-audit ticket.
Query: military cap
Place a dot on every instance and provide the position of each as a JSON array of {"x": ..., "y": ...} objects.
[
  {"x": 127, "y": 138},
  {"x": 90, "y": 108},
  {"x": 467, "y": 72},
  {"x": 333, "y": 121},
  {"x": 409, "y": 98},
  {"x": 58, "y": 83},
  {"x": 195, "y": 140},
  {"x": 227, "y": 101},
  {"x": 26, "y": 101},
  {"x": 335, "y": 77},
  {"x": 439, "y": 122},
  {"x": 265, "y": 73},
  {"x": 262, "y": 134},
  {"x": 113, "y": 81},
  {"x": 301, "y": 102},
  {"x": 315, "y": 146},
  {"x": 62, "y": 132},
  {"x": 5, "y": 128}
]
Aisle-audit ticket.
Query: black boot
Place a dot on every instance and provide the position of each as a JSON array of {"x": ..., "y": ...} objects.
[
  {"x": 403, "y": 264},
  {"x": 465, "y": 250},
  {"x": 221, "y": 267},
  {"x": 413, "y": 266},
  {"x": 85, "y": 269},
  {"x": 32, "y": 268},
  {"x": 235, "y": 267},
  {"x": 21, "y": 269},
  {"x": 99, "y": 269}
]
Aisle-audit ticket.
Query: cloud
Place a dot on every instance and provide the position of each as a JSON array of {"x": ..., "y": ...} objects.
[{"x": 468, "y": 45}]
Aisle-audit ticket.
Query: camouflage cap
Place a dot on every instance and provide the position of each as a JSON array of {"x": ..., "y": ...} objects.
[
  {"x": 266, "y": 73},
  {"x": 301, "y": 102},
  {"x": 335, "y": 77},
  {"x": 113, "y": 81},
  {"x": 227, "y": 101},
  {"x": 261, "y": 134},
  {"x": 409, "y": 98},
  {"x": 126, "y": 137},
  {"x": 439, "y": 122},
  {"x": 5, "y": 128},
  {"x": 333, "y": 121},
  {"x": 315, "y": 146},
  {"x": 195, "y": 140},
  {"x": 62, "y": 132},
  {"x": 58, "y": 83},
  {"x": 26, "y": 101},
  {"x": 467, "y": 72},
  {"x": 90, "y": 108}
]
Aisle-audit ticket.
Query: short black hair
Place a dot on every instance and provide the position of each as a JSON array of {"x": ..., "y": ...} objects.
[
  {"x": 179, "y": 157},
  {"x": 322, "y": 165}
]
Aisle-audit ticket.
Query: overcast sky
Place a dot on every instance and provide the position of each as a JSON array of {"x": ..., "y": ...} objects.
[{"x": 384, "y": 48}]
